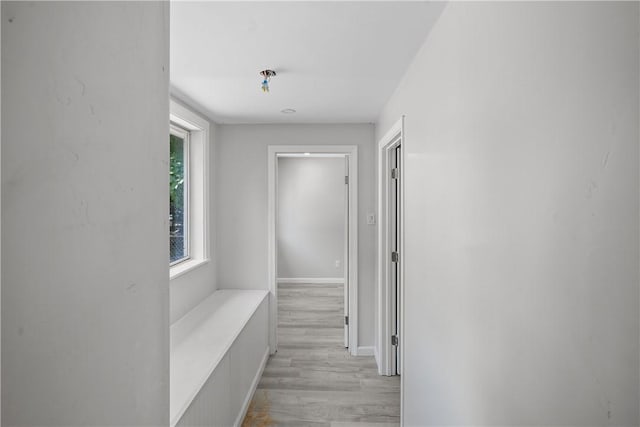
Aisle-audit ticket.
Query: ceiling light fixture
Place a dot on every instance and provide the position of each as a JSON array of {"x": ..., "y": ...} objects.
[
  {"x": 288, "y": 111},
  {"x": 266, "y": 76}
]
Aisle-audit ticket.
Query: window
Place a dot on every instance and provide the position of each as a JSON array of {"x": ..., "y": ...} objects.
[
  {"x": 178, "y": 195},
  {"x": 188, "y": 190}
]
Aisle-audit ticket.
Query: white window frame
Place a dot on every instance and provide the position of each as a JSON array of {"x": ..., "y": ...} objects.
[
  {"x": 198, "y": 188},
  {"x": 184, "y": 134}
]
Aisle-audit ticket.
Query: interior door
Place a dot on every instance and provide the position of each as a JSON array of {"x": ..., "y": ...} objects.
[
  {"x": 346, "y": 251},
  {"x": 395, "y": 244},
  {"x": 399, "y": 233}
]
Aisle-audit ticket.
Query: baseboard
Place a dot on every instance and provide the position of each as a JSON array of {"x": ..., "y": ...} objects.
[
  {"x": 366, "y": 351},
  {"x": 375, "y": 356},
  {"x": 317, "y": 280},
  {"x": 252, "y": 389}
]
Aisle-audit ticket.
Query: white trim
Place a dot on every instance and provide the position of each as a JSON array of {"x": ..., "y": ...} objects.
[
  {"x": 351, "y": 151},
  {"x": 346, "y": 259},
  {"x": 394, "y": 136},
  {"x": 198, "y": 187},
  {"x": 184, "y": 267},
  {"x": 307, "y": 155},
  {"x": 187, "y": 118},
  {"x": 313, "y": 280},
  {"x": 252, "y": 389},
  {"x": 390, "y": 140},
  {"x": 366, "y": 351}
]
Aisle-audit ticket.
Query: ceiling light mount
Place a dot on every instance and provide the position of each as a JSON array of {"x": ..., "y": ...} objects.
[
  {"x": 266, "y": 78},
  {"x": 288, "y": 111}
]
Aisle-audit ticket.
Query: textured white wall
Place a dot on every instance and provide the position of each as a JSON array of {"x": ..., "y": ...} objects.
[
  {"x": 311, "y": 217},
  {"x": 241, "y": 204},
  {"x": 522, "y": 216},
  {"x": 85, "y": 287}
]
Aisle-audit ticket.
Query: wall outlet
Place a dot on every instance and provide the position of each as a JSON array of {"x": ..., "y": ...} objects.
[
  {"x": 338, "y": 263},
  {"x": 371, "y": 219}
]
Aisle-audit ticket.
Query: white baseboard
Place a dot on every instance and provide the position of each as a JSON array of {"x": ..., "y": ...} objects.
[
  {"x": 375, "y": 356},
  {"x": 318, "y": 280},
  {"x": 252, "y": 389},
  {"x": 366, "y": 351}
]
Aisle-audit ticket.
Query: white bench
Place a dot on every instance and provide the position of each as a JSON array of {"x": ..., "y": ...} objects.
[{"x": 218, "y": 352}]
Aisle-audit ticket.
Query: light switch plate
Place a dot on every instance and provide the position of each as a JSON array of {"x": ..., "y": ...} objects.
[{"x": 371, "y": 219}]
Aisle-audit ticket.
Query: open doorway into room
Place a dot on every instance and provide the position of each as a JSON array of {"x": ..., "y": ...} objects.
[
  {"x": 313, "y": 246},
  {"x": 311, "y": 363}
]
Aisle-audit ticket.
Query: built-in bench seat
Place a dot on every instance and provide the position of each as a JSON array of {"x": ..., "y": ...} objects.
[{"x": 218, "y": 352}]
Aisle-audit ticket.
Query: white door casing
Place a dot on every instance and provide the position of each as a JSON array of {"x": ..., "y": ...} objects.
[
  {"x": 351, "y": 256},
  {"x": 346, "y": 252},
  {"x": 386, "y": 316}
]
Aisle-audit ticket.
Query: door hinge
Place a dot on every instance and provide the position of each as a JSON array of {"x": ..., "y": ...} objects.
[
  {"x": 346, "y": 320},
  {"x": 346, "y": 179},
  {"x": 394, "y": 340},
  {"x": 395, "y": 256},
  {"x": 394, "y": 173}
]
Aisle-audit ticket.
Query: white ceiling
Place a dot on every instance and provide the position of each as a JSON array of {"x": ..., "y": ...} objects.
[{"x": 337, "y": 62}]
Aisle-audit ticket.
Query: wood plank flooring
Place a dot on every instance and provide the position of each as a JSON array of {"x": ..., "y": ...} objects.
[{"x": 312, "y": 380}]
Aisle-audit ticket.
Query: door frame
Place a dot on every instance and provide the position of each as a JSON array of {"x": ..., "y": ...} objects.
[
  {"x": 388, "y": 142},
  {"x": 351, "y": 152}
]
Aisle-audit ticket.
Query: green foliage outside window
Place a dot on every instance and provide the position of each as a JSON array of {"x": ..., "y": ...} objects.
[{"x": 176, "y": 198}]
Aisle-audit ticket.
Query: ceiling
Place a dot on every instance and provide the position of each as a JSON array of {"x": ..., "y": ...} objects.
[{"x": 336, "y": 62}]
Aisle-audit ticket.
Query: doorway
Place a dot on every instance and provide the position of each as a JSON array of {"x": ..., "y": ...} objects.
[
  {"x": 394, "y": 264},
  {"x": 390, "y": 251},
  {"x": 312, "y": 242},
  {"x": 281, "y": 161}
]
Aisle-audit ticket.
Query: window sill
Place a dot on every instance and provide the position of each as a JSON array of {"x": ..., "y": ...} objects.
[{"x": 185, "y": 267}]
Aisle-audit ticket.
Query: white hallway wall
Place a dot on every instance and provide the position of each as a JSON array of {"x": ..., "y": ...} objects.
[
  {"x": 522, "y": 216},
  {"x": 85, "y": 288},
  {"x": 189, "y": 289},
  {"x": 311, "y": 217},
  {"x": 241, "y": 208}
]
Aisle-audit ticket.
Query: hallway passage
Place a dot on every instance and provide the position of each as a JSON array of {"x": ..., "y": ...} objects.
[{"x": 312, "y": 380}]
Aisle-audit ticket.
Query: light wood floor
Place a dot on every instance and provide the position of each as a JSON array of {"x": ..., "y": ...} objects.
[{"x": 312, "y": 380}]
